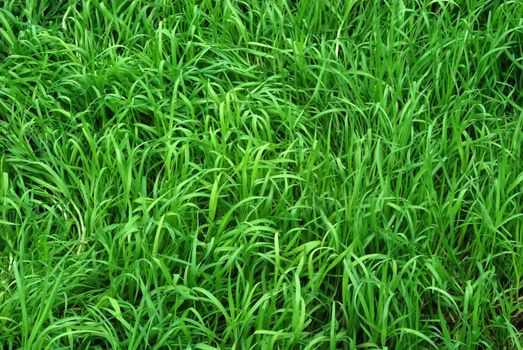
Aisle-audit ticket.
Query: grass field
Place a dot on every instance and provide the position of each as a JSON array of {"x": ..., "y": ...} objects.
[{"x": 261, "y": 174}]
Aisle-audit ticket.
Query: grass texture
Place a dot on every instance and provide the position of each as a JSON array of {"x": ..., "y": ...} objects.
[{"x": 261, "y": 174}]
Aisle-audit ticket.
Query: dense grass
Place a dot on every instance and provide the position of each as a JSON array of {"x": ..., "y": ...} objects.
[{"x": 261, "y": 174}]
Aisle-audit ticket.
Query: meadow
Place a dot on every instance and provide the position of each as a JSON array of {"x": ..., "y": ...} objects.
[{"x": 261, "y": 174}]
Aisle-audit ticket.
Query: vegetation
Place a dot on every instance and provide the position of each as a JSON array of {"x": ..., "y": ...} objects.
[{"x": 261, "y": 174}]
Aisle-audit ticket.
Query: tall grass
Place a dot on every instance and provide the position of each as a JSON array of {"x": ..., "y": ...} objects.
[{"x": 262, "y": 174}]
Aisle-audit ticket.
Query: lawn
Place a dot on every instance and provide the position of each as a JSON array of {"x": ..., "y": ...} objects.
[{"x": 261, "y": 174}]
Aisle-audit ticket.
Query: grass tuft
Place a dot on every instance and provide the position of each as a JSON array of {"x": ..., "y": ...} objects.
[{"x": 263, "y": 174}]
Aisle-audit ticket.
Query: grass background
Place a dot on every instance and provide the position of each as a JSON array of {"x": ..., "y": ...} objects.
[{"x": 261, "y": 174}]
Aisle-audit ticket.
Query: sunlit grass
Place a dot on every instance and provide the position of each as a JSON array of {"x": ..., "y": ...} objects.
[{"x": 262, "y": 174}]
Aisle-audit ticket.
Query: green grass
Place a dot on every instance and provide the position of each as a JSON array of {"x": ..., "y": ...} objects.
[{"x": 261, "y": 174}]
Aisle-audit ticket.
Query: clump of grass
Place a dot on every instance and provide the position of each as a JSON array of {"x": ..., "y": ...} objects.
[{"x": 261, "y": 174}]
